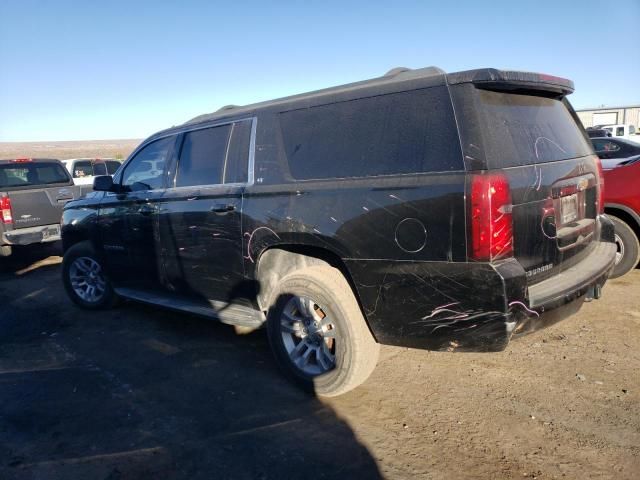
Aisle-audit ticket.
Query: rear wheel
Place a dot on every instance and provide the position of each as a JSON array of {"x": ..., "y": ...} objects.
[
  {"x": 628, "y": 254},
  {"x": 318, "y": 334},
  {"x": 84, "y": 278}
]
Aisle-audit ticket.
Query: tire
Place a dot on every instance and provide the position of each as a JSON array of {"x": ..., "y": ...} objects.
[
  {"x": 82, "y": 269},
  {"x": 5, "y": 250},
  {"x": 336, "y": 354},
  {"x": 628, "y": 254}
]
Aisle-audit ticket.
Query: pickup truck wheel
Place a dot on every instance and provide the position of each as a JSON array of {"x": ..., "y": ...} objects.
[
  {"x": 84, "y": 278},
  {"x": 628, "y": 254},
  {"x": 318, "y": 334},
  {"x": 5, "y": 250}
]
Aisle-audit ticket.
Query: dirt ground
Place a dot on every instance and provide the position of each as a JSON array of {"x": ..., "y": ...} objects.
[{"x": 138, "y": 392}]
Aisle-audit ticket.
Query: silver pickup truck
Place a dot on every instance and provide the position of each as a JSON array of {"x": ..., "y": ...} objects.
[{"x": 32, "y": 194}]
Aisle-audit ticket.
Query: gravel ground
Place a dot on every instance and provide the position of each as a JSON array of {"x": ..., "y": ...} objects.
[{"x": 138, "y": 392}]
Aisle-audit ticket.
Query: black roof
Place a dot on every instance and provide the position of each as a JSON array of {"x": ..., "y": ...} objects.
[{"x": 397, "y": 79}]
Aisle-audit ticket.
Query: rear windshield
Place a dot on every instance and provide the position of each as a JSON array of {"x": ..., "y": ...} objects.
[
  {"x": 514, "y": 129},
  {"x": 24, "y": 175}
]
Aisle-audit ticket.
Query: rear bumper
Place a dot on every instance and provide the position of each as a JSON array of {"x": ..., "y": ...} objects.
[
  {"x": 563, "y": 295},
  {"x": 27, "y": 236},
  {"x": 473, "y": 306}
]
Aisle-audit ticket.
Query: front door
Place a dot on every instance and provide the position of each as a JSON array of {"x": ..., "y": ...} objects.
[{"x": 128, "y": 220}]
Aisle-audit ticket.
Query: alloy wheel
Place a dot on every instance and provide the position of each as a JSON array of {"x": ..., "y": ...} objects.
[{"x": 309, "y": 336}]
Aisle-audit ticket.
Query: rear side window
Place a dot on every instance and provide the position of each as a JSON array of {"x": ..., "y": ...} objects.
[
  {"x": 202, "y": 156},
  {"x": 620, "y": 132},
  {"x": 516, "y": 129},
  {"x": 24, "y": 175},
  {"x": 216, "y": 155},
  {"x": 237, "y": 165},
  {"x": 400, "y": 133}
]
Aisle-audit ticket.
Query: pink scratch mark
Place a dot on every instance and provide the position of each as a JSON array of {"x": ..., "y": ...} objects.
[
  {"x": 249, "y": 257},
  {"x": 525, "y": 307}
]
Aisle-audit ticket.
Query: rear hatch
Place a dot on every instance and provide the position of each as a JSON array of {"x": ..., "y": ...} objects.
[
  {"x": 522, "y": 131},
  {"x": 37, "y": 191}
]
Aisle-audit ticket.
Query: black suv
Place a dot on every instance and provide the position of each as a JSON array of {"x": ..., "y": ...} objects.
[{"x": 422, "y": 209}]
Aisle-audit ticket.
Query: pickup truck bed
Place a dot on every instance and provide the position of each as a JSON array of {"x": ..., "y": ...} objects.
[{"x": 32, "y": 195}]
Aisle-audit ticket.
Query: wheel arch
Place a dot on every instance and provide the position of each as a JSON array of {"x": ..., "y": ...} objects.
[
  {"x": 277, "y": 261},
  {"x": 625, "y": 214}
]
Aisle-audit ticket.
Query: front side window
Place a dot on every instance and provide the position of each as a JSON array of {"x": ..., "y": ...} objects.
[{"x": 146, "y": 170}]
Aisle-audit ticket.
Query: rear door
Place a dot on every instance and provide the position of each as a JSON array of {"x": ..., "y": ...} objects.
[
  {"x": 534, "y": 139},
  {"x": 200, "y": 216},
  {"x": 128, "y": 221}
]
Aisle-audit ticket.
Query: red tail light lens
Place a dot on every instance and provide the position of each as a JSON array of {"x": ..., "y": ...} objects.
[
  {"x": 600, "y": 186},
  {"x": 5, "y": 210},
  {"x": 491, "y": 219}
]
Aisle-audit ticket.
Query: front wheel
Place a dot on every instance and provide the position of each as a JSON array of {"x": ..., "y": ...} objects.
[
  {"x": 84, "y": 278},
  {"x": 628, "y": 254},
  {"x": 318, "y": 334}
]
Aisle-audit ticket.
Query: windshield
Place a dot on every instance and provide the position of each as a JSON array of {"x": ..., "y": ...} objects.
[{"x": 24, "y": 175}]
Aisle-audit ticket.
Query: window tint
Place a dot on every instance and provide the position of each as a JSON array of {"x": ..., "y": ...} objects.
[
  {"x": 605, "y": 146},
  {"x": 32, "y": 174},
  {"x": 237, "y": 165},
  {"x": 202, "y": 156},
  {"x": 112, "y": 166},
  {"x": 82, "y": 168},
  {"x": 398, "y": 133},
  {"x": 99, "y": 169},
  {"x": 145, "y": 170},
  {"x": 523, "y": 129}
]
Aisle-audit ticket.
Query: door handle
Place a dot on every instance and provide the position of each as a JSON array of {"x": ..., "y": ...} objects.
[
  {"x": 222, "y": 208},
  {"x": 146, "y": 209}
]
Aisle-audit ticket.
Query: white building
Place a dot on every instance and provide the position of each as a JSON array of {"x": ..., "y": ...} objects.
[{"x": 591, "y": 117}]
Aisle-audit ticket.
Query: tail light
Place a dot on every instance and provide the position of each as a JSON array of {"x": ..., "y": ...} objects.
[
  {"x": 5, "y": 210},
  {"x": 600, "y": 186},
  {"x": 22, "y": 160},
  {"x": 491, "y": 220}
]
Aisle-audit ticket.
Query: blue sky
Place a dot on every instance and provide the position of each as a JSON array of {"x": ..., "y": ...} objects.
[{"x": 79, "y": 70}]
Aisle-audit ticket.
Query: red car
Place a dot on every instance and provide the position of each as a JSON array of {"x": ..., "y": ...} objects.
[{"x": 622, "y": 205}]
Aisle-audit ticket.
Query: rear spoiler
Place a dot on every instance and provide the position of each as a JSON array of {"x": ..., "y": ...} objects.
[{"x": 494, "y": 79}]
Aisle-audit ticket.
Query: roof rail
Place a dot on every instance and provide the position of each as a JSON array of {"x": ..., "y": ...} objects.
[
  {"x": 227, "y": 107},
  {"x": 426, "y": 71}
]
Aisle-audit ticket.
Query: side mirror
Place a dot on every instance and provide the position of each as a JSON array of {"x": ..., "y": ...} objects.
[{"x": 103, "y": 183}]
